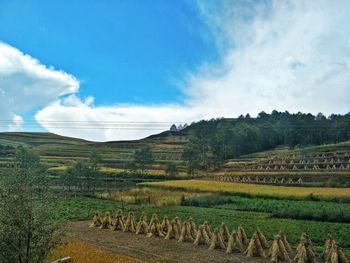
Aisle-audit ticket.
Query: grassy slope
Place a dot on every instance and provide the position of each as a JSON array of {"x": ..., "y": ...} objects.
[{"x": 58, "y": 152}]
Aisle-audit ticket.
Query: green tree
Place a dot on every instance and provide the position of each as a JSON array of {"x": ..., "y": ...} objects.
[
  {"x": 171, "y": 169},
  {"x": 94, "y": 166},
  {"x": 143, "y": 157},
  {"x": 69, "y": 178},
  {"x": 192, "y": 154},
  {"x": 27, "y": 228}
]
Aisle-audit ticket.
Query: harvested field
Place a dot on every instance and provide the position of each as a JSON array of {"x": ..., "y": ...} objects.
[
  {"x": 252, "y": 189},
  {"x": 84, "y": 252},
  {"x": 150, "y": 249}
]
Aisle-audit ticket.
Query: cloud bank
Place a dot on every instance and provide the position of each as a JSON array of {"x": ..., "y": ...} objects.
[
  {"x": 26, "y": 84},
  {"x": 284, "y": 55}
]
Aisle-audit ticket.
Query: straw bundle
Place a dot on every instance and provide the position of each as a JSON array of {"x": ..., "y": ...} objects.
[
  {"x": 202, "y": 237},
  {"x": 285, "y": 242},
  {"x": 234, "y": 244},
  {"x": 193, "y": 227},
  {"x": 186, "y": 233},
  {"x": 207, "y": 229},
  {"x": 305, "y": 252},
  {"x": 278, "y": 251},
  {"x": 242, "y": 235},
  {"x": 96, "y": 220},
  {"x": 155, "y": 229},
  {"x": 216, "y": 241},
  {"x": 119, "y": 221},
  {"x": 142, "y": 226},
  {"x": 154, "y": 217},
  {"x": 106, "y": 221},
  {"x": 143, "y": 217},
  {"x": 130, "y": 224},
  {"x": 255, "y": 248},
  {"x": 328, "y": 247},
  {"x": 224, "y": 232},
  {"x": 262, "y": 239},
  {"x": 165, "y": 224},
  {"x": 333, "y": 253},
  {"x": 174, "y": 231}
]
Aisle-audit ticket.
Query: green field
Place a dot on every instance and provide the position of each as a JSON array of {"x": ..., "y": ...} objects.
[{"x": 82, "y": 208}]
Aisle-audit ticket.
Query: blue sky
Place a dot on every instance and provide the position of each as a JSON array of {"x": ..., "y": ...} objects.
[
  {"x": 128, "y": 51},
  {"x": 165, "y": 61}
]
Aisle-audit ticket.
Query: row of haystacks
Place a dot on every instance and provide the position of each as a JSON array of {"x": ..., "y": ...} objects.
[{"x": 221, "y": 238}]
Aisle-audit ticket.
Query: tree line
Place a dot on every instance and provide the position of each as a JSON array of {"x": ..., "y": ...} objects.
[{"x": 215, "y": 141}]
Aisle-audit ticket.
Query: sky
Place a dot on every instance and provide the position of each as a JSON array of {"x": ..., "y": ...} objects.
[{"x": 117, "y": 70}]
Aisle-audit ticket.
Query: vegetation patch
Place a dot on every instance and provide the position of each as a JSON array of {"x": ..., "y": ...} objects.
[{"x": 151, "y": 196}]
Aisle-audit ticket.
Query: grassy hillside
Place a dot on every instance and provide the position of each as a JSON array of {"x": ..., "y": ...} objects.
[
  {"x": 317, "y": 165},
  {"x": 59, "y": 152}
]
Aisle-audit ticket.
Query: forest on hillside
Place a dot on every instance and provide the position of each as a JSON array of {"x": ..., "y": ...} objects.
[{"x": 214, "y": 141}]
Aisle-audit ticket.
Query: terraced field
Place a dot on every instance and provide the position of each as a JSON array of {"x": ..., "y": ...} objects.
[{"x": 327, "y": 165}]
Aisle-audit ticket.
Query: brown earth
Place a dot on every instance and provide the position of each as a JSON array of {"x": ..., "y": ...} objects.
[{"x": 150, "y": 249}]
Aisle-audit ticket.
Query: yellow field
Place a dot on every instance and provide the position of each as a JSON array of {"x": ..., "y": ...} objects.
[
  {"x": 254, "y": 189},
  {"x": 82, "y": 252},
  {"x": 157, "y": 197}
]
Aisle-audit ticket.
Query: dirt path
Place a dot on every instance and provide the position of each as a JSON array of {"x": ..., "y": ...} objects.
[{"x": 151, "y": 249}]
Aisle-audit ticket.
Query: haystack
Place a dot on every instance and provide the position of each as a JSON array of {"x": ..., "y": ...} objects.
[
  {"x": 285, "y": 242},
  {"x": 242, "y": 235},
  {"x": 328, "y": 246},
  {"x": 143, "y": 217},
  {"x": 177, "y": 221},
  {"x": 278, "y": 251},
  {"x": 106, "y": 221},
  {"x": 193, "y": 227},
  {"x": 255, "y": 248},
  {"x": 142, "y": 226},
  {"x": 305, "y": 252},
  {"x": 174, "y": 231},
  {"x": 333, "y": 253},
  {"x": 154, "y": 217},
  {"x": 207, "y": 229},
  {"x": 202, "y": 237},
  {"x": 130, "y": 223},
  {"x": 165, "y": 224},
  {"x": 262, "y": 239},
  {"x": 234, "y": 244},
  {"x": 118, "y": 223},
  {"x": 155, "y": 229},
  {"x": 185, "y": 235},
  {"x": 216, "y": 241},
  {"x": 224, "y": 232},
  {"x": 96, "y": 220}
]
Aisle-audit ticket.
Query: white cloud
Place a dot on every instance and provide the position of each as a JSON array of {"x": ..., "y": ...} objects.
[
  {"x": 290, "y": 55},
  {"x": 16, "y": 124},
  {"x": 284, "y": 55},
  {"x": 26, "y": 84},
  {"x": 118, "y": 122}
]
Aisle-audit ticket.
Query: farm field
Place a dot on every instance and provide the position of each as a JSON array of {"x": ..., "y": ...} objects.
[
  {"x": 152, "y": 249},
  {"x": 252, "y": 189},
  {"x": 154, "y": 196},
  {"x": 84, "y": 252},
  {"x": 320, "y": 205},
  {"x": 82, "y": 208}
]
